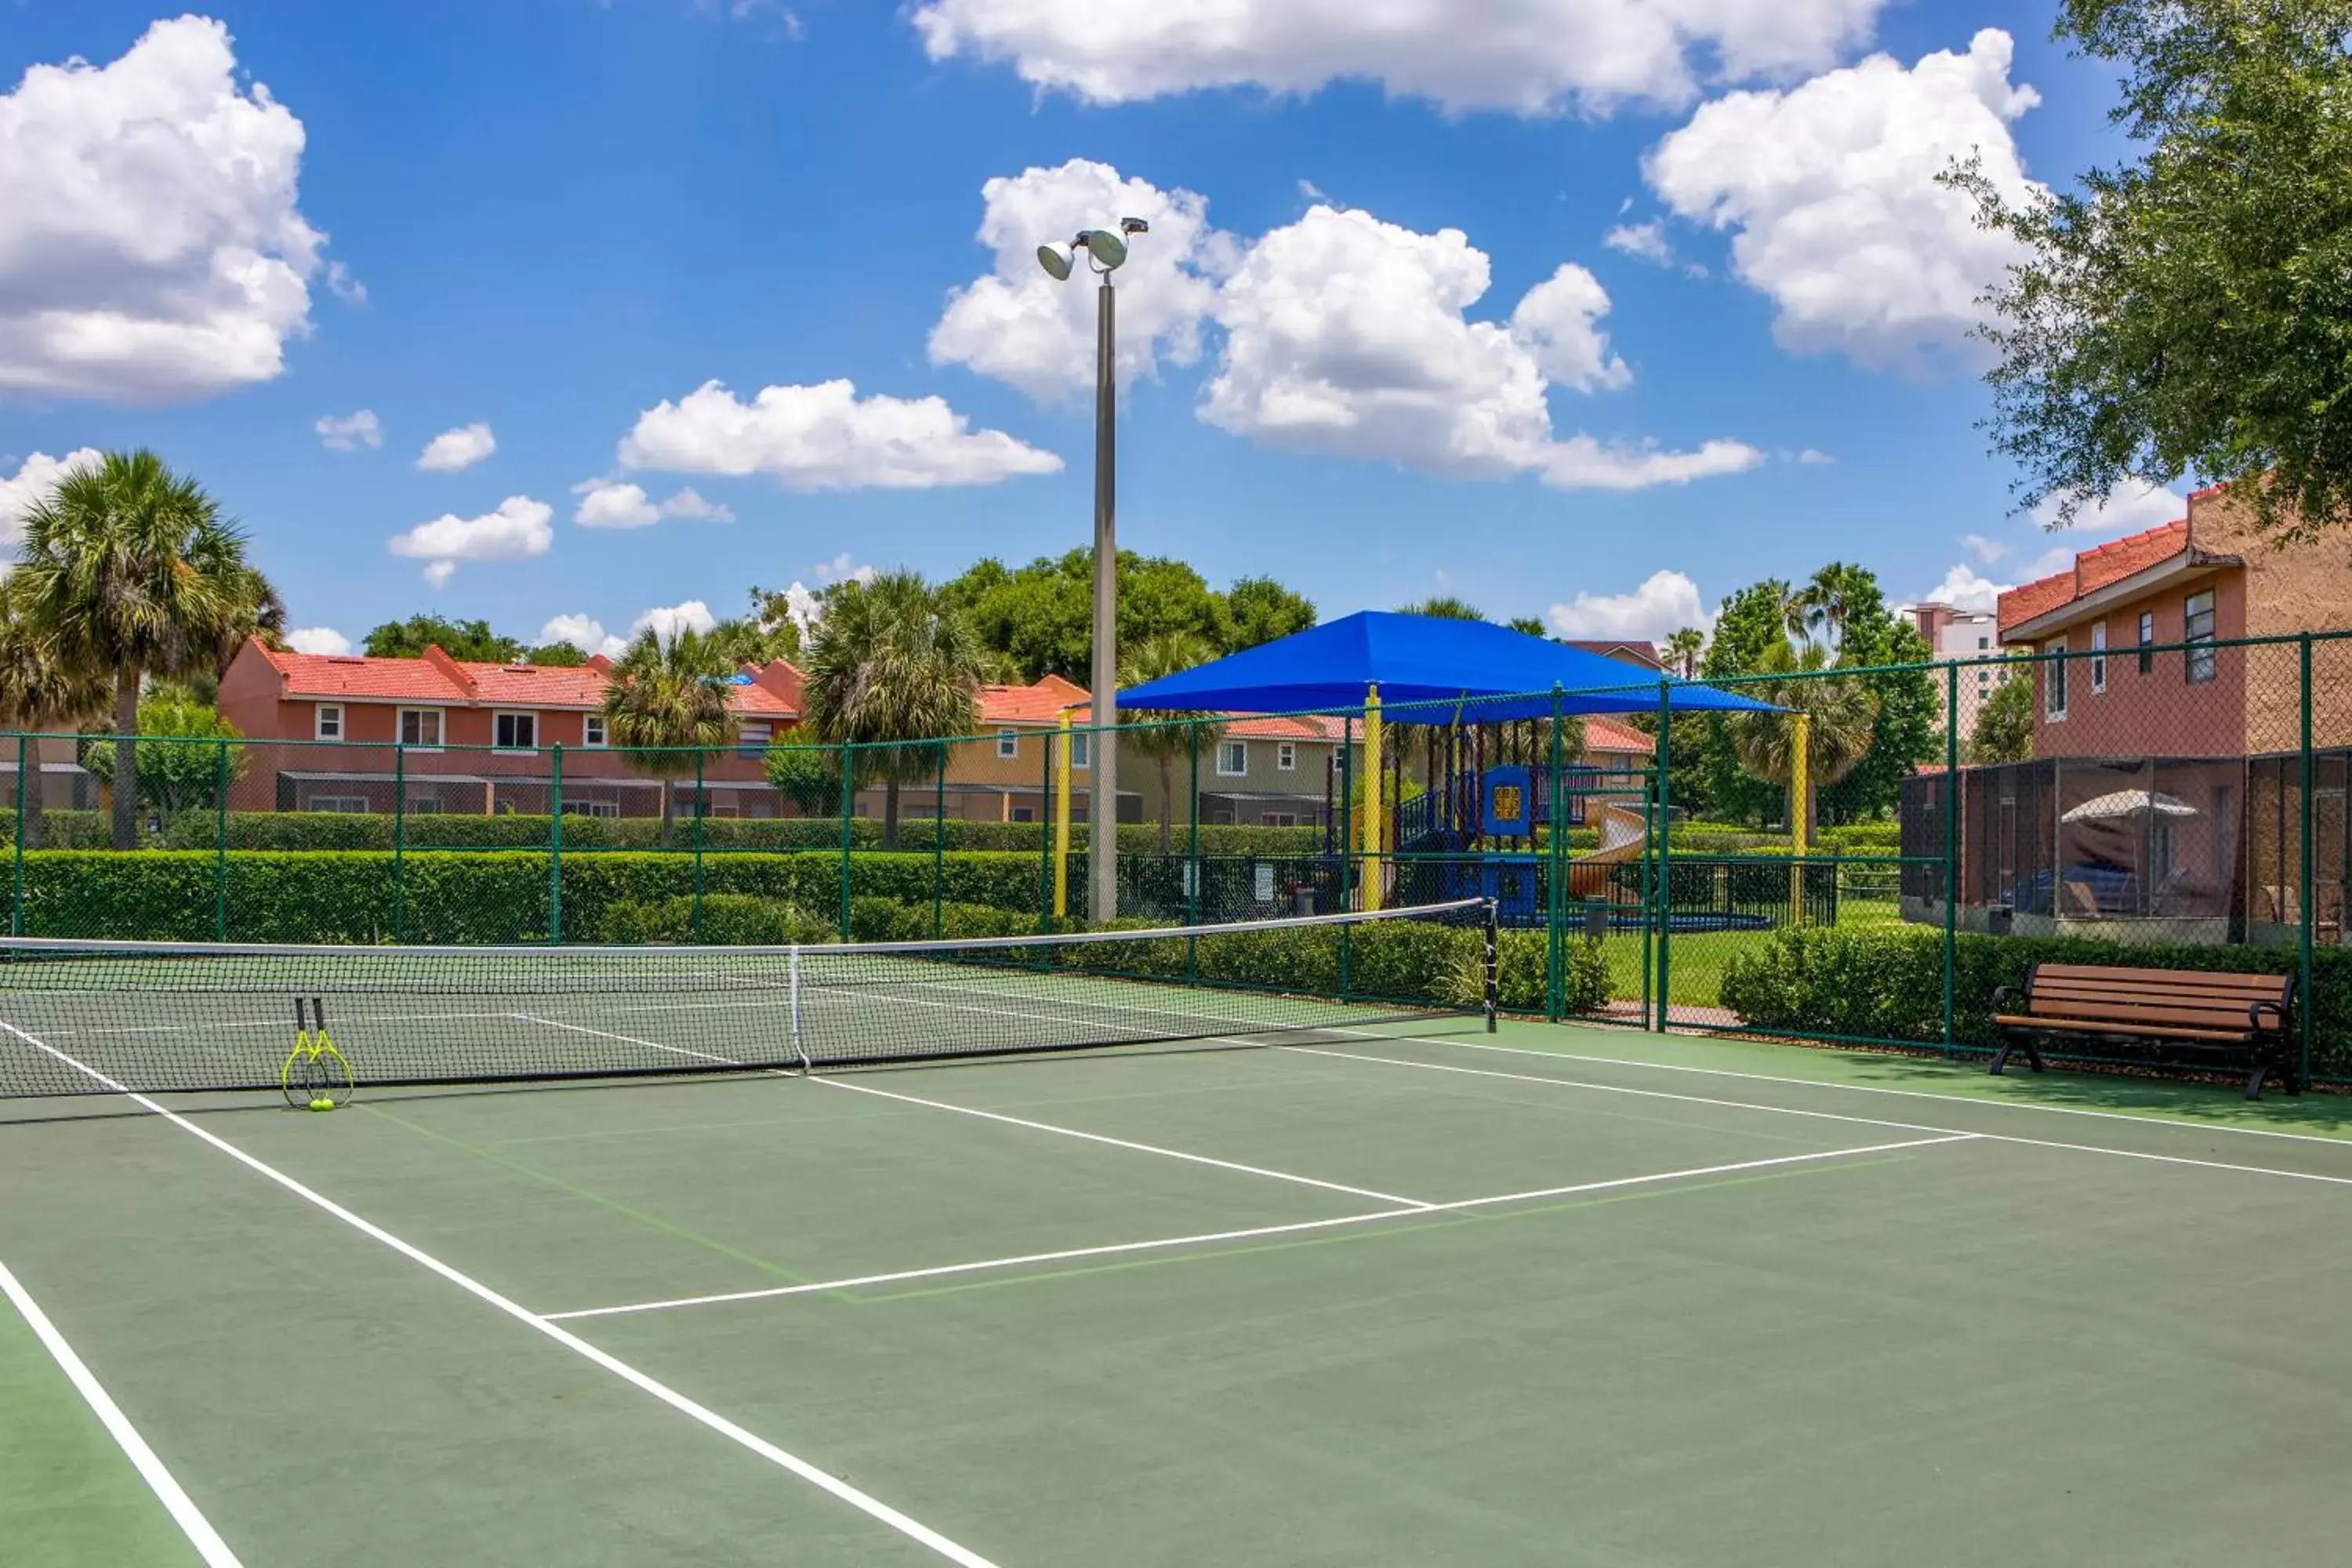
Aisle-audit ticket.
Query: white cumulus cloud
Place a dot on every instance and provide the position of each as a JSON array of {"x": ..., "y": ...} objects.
[
  {"x": 1645, "y": 240},
  {"x": 826, "y": 438},
  {"x": 843, "y": 568},
  {"x": 2130, "y": 508},
  {"x": 1964, "y": 589},
  {"x": 805, "y": 607},
  {"x": 1665, "y": 604},
  {"x": 1828, "y": 190},
  {"x": 517, "y": 530},
  {"x": 151, "y": 246},
  {"x": 1018, "y": 325},
  {"x": 1983, "y": 551},
  {"x": 583, "y": 632},
  {"x": 1528, "y": 56},
  {"x": 348, "y": 432},
  {"x": 317, "y": 639},
  {"x": 666, "y": 621},
  {"x": 1345, "y": 335},
  {"x": 459, "y": 448},
  {"x": 36, "y": 478},
  {"x": 616, "y": 503}
]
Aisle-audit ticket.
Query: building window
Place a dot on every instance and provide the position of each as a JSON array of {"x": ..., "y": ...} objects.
[
  {"x": 752, "y": 740},
  {"x": 1285, "y": 756},
  {"x": 592, "y": 729},
  {"x": 2053, "y": 675},
  {"x": 331, "y": 722},
  {"x": 1082, "y": 748},
  {"x": 347, "y": 802},
  {"x": 592, "y": 808},
  {"x": 2148, "y": 642},
  {"x": 2099, "y": 657},
  {"x": 1983, "y": 644},
  {"x": 1232, "y": 759},
  {"x": 1024, "y": 814},
  {"x": 514, "y": 731},
  {"x": 424, "y": 806},
  {"x": 1008, "y": 745},
  {"x": 2197, "y": 627},
  {"x": 421, "y": 727},
  {"x": 1279, "y": 819}
]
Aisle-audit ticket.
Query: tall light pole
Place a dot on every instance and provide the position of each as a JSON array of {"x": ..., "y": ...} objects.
[{"x": 1104, "y": 252}]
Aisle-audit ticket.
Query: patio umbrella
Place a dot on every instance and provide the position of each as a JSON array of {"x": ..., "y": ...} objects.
[{"x": 2124, "y": 803}]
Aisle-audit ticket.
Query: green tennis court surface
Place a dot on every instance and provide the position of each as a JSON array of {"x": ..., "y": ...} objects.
[{"x": 1423, "y": 1296}]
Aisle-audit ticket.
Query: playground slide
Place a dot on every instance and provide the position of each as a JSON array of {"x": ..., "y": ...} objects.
[{"x": 1624, "y": 835}]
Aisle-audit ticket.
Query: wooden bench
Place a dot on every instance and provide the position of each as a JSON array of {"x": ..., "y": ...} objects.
[{"x": 2202, "y": 1008}]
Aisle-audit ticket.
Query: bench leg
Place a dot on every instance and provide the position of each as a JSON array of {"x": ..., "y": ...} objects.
[
  {"x": 2009, "y": 1048},
  {"x": 2000, "y": 1058},
  {"x": 2255, "y": 1080}
]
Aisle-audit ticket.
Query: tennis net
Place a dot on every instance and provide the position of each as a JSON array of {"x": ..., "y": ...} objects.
[{"x": 78, "y": 1018}]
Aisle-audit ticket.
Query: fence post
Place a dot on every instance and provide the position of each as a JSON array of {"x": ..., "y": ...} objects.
[
  {"x": 939, "y": 841},
  {"x": 848, "y": 804},
  {"x": 2308, "y": 901},
  {"x": 1057, "y": 780},
  {"x": 1555, "y": 877},
  {"x": 1951, "y": 848},
  {"x": 1052, "y": 833},
  {"x": 399, "y": 842},
  {"x": 220, "y": 840},
  {"x": 1373, "y": 837},
  {"x": 1664, "y": 916},
  {"x": 555, "y": 847},
  {"x": 1193, "y": 832},
  {"x": 701, "y": 812},
  {"x": 25, "y": 749},
  {"x": 1346, "y": 847}
]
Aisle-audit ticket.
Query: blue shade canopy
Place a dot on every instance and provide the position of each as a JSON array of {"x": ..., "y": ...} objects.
[{"x": 1424, "y": 663}]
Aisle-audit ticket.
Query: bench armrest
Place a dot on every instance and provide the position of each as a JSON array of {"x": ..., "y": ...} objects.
[
  {"x": 2255, "y": 1011},
  {"x": 2003, "y": 997}
]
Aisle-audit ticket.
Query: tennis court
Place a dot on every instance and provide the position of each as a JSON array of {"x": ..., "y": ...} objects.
[{"x": 1352, "y": 1286}]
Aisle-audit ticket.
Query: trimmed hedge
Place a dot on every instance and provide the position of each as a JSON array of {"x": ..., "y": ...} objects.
[
  {"x": 371, "y": 830},
  {"x": 64, "y": 828},
  {"x": 1888, "y": 983}
]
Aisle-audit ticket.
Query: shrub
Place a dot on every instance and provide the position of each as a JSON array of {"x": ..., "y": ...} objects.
[
  {"x": 1888, "y": 983},
  {"x": 730, "y": 920}
]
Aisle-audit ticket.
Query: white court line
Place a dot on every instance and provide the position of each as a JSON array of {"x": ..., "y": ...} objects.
[
  {"x": 2005, "y": 1104},
  {"x": 1171, "y": 1243},
  {"x": 1018, "y": 1121},
  {"x": 184, "y": 1513},
  {"x": 1817, "y": 1115},
  {"x": 874, "y": 1508}
]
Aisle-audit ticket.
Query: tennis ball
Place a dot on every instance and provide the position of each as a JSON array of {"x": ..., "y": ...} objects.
[{"x": 322, "y": 1103}]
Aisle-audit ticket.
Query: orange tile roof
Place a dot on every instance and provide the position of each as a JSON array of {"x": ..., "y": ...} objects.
[
  {"x": 1608, "y": 735},
  {"x": 455, "y": 683},
  {"x": 1040, "y": 702},
  {"x": 536, "y": 686},
  {"x": 354, "y": 675},
  {"x": 2093, "y": 570}
]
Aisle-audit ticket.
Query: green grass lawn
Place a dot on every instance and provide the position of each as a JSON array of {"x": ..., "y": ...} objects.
[{"x": 1695, "y": 971}]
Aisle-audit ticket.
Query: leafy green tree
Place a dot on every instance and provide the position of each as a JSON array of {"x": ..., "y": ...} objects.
[
  {"x": 38, "y": 693},
  {"x": 1752, "y": 624},
  {"x": 2004, "y": 727},
  {"x": 667, "y": 710},
  {"x": 556, "y": 656},
  {"x": 807, "y": 776},
  {"x": 127, "y": 568},
  {"x": 1445, "y": 607},
  {"x": 894, "y": 662},
  {"x": 1831, "y": 598},
  {"x": 1529, "y": 625},
  {"x": 746, "y": 639},
  {"x": 471, "y": 641},
  {"x": 1683, "y": 649},
  {"x": 1261, "y": 610},
  {"x": 2188, "y": 311},
  {"x": 185, "y": 753},
  {"x": 1910, "y": 711},
  {"x": 1165, "y": 737}
]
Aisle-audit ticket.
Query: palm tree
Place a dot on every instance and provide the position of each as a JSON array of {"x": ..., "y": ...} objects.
[
  {"x": 38, "y": 693},
  {"x": 1445, "y": 607},
  {"x": 1830, "y": 599},
  {"x": 892, "y": 663},
  {"x": 129, "y": 569},
  {"x": 1163, "y": 734},
  {"x": 666, "y": 707},
  {"x": 1843, "y": 712},
  {"x": 1683, "y": 649}
]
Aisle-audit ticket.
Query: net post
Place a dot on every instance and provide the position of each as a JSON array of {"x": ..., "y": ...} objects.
[
  {"x": 792, "y": 973},
  {"x": 17, "y": 900},
  {"x": 1493, "y": 941},
  {"x": 399, "y": 841},
  {"x": 1666, "y": 889},
  {"x": 939, "y": 839},
  {"x": 1951, "y": 847},
  {"x": 220, "y": 840},
  {"x": 2305, "y": 853},
  {"x": 848, "y": 803},
  {"x": 555, "y": 847}
]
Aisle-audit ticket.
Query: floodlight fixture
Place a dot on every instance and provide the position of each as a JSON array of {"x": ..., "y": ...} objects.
[
  {"x": 1055, "y": 261},
  {"x": 1133, "y": 225},
  {"x": 1109, "y": 251}
]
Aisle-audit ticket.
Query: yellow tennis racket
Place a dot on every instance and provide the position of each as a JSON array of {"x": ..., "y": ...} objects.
[{"x": 316, "y": 1076}]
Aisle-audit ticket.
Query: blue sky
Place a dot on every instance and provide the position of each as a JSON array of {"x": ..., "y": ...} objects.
[{"x": 564, "y": 221}]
